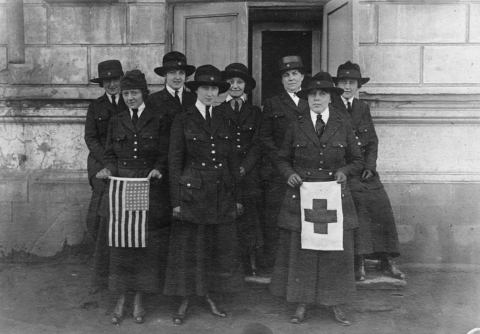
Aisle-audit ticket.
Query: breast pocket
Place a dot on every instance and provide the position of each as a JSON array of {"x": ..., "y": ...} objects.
[
  {"x": 195, "y": 138},
  {"x": 150, "y": 141},
  {"x": 101, "y": 121},
  {"x": 339, "y": 149},
  {"x": 291, "y": 201},
  {"x": 300, "y": 149},
  {"x": 190, "y": 188},
  {"x": 119, "y": 142}
]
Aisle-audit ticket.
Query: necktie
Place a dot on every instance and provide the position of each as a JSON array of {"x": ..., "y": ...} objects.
[
  {"x": 207, "y": 115},
  {"x": 237, "y": 107},
  {"x": 177, "y": 98},
  {"x": 114, "y": 102},
  {"x": 319, "y": 126},
  {"x": 135, "y": 117},
  {"x": 349, "y": 107}
]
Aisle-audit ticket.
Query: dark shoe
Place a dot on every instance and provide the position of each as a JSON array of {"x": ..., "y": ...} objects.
[
  {"x": 339, "y": 316},
  {"x": 139, "y": 312},
  {"x": 118, "y": 313},
  {"x": 359, "y": 268},
  {"x": 179, "y": 318},
  {"x": 388, "y": 266},
  {"x": 299, "y": 315},
  {"x": 213, "y": 308}
]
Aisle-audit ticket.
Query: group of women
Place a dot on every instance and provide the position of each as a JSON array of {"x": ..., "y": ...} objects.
[{"x": 204, "y": 165}]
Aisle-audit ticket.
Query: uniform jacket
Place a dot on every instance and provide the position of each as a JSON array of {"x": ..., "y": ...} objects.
[
  {"x": 315, "y": 159},
  {"x": 163, "y": 101},
  {"x": 362, "y": 124},
  {"x": 203, "y": 168},
  {"x": 134, "y": 151},
  {"x": 96, "y": 128},
  {"x": 244, "y": 128},
  {"x": 278, "y": 112}
]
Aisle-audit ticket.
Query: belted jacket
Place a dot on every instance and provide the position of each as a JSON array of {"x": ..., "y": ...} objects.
[
  {"x": 278, "y": 113},
  {"x": 96, "y": 129},
  {"x": 366, "y": 137},
  {"x": 203, "y": 167},
  {"x": 315, "y": 160}
]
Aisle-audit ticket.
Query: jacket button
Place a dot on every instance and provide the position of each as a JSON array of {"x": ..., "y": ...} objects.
[
  {"x": 194, "y": 138},
  {"x": 238, "y": 139},
  {"x": 213, "y": 159},
  {"x": 134, "y": 156},
  {"x": 238, "y": 133},
  {"x": 144, "y": 163},
  {"x": 135, "y": 149},
  {"x": 321, "y": 161},
  {"x": 213, "y": 152},
  {"x": 309, "y": 173},
  {"x": 188, "y": 184},
  {"x": 293, "y": 196},
  {"x": 321, "y": 153},
  {"x": 211, "y": 137},
  {"x": 216, "y": 167},
  {"x": 238, "y": 146},
  {"x": 99, "y": 118},
  {"x": 319, "y": 169},
  {"x": 220, "y": 165},
  {"x": 134, "y": 143},
  {"x": 366, "y": 130},
  {"x": 356, "y": 137},
  {"x": 250, "y": 128},
  {"x": 359, "y": 143},
  {"x": 124, "y": 163},
  {"x": 343, "y": 195},
  {"x": 324, "y": 145},
  {"x": 213, "y": 145},
  {"x": 330, "y": 173},
  {"x": 226, "y": 137},
  {"x": 203, "y": 164},
  {"x": 135, "y": 135}
]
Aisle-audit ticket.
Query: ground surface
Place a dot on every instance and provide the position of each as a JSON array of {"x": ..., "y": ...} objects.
[{"x": 48, "y": 298}]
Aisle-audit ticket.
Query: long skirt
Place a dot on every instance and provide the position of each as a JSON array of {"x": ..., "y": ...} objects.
[
  {"x": 309, "y": 276},
  {"x": 97, "y": 230},
  {"x": 377, "y": 233},
  {"x": 140, "y": 269},
  {"x": 203, "y": 258}
]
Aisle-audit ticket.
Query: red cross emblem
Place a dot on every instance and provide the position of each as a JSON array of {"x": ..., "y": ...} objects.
[{"x": 320, "y": 216}]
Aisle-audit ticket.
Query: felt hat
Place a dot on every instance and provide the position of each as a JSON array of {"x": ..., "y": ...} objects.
[
  {"x": 108, "y": 69},
  {"x": 208, "y": 75},
  {"x": 257, "y": 328},
  {"x": 133, "y": 79},
  {"x": 240, "y": 71},
  {"x": 175, "y": 61},
  {"x": 350, "y": 70},
  {"x": 290, "y": 63},
  {"x": 321, "y": 80}
]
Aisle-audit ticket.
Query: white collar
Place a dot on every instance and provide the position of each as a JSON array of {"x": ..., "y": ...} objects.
[
  {"x": 202, "y": 108},
  {"x": 325, "y": 116},
  {"x": 349, "y": 100},
  {"x": 117, "y": 96},
  {"x": 243, "y": 97},
  {"x": 172, "y": 91},
  {"x": 140, "y": 110}
]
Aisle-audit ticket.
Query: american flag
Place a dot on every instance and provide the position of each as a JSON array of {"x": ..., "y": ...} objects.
[{"x": 128, "y": 200}]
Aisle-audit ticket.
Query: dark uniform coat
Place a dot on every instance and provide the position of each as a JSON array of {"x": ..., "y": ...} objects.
[
  {"x": 164, "y": 102},
  {"x": 203, "y": 165},
  {"x": 96, "y": 128},
  {"x": 278, "y": 113},
  {"x": 245, "y": 126},
  {"x": 377, "y": 232},
  {"x": 133, "y": 151},
  {"x": 325, "y": 277}
]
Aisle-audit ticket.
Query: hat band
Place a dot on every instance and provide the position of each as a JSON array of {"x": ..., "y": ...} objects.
[
  {"x": 110, "y": 73},
  {"x": 288, "y": 66},
  {"x": 174, "y": 63},
  {"x": 320, "y": 85},
  {"x": 207, "y": 78},
  {"x": 349, "y": 74}
]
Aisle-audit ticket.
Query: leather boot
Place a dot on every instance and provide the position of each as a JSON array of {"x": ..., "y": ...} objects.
[
  {"x": 213, "y": 308},
  {"x": 339, "y": 315},
  {"x": 179, "y": 318},
  {"x": 118, "y": 312},
  {"x": 139, "y": 312},
  {"x": 388, "y": 266},
  {"x": 299, "y": 314},
  {"x": 359, "y": 268}
]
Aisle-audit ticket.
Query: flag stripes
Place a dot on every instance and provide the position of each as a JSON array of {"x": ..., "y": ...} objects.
[{"x": 127, "y": 227}]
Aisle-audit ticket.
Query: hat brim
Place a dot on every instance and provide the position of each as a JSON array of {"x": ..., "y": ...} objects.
[
  {"x": 101, "y": 79},
  {"x": 189, "y": 69},
  {"x": 303, "y": 68},
  {"x": 361, "y": 80},
  {"x": 303, "y": 94},
  {"x": 222, "y": 86},
  {"x": 238, "y": 74}
]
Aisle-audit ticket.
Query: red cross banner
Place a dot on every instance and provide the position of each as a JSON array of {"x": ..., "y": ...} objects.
[
  {"x": 128, "y": 203},
  {"x": 322, "y": 216}
]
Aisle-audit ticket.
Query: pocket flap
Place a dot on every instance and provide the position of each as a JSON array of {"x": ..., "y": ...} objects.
[
  {"x": 278, "y": 114},
  {"x": 339, "y": 143},
  {"x": 224, "y": 136},
  {"x": 195, "y": 136},
  {"x": 150, "y": 135},
  {"x": 191, "y": 182},
  {"x": 120, "y": 136},
  {"x": 299, "y": 144},
  {"x": 102, "y": 115},
  {"x": 248, "y": 127}
]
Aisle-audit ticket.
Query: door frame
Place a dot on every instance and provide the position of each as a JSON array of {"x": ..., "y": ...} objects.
[{"x": 257, "y": 30}]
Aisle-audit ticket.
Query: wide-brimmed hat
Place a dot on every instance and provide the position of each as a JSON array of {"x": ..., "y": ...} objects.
[
  {"x": 133, "y": 79},
  {"x": 108, "y": 69},
  {"x": 349, "y": 70},
  {"x": 175, "y": 61},
  {"x": 208, "y": 75},
  {"x": 321, "y": 80},
  {"x": 240, "y": 71},
  {"x": 290, "y": 63}
]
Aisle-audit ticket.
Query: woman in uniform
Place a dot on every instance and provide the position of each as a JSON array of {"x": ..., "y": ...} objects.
[
  {"x": 320, "y": 146},
  {"x": 137, "y": 147},
  {"x": 203, "y": 165},
  {"x": 96, "y": 127},
  {"x": 245, "y": 119}
]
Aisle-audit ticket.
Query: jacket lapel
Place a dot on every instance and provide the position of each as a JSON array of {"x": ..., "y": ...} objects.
[
  {"x": 229, "y": 113},
  {"x": 126, "y": 120},
  {"x": 306, "y": 126},
  {"x": 333, "y": 124},
  {"x": 216, "y": 119},
  {"x": 170, "y": 100},
  {"x": 287, "y": 100},
  {"x": 108, "y": 105},
  {"x": 198, "y": 118},
  {"x": 357, "y": 113},
  {"x": 245, "y": 111},
  {"x": 144, "y": 118}
]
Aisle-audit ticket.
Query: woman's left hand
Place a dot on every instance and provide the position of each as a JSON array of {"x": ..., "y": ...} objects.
[
  {"x": 239, "y": 209},
  {"x": 155, "y": 173},
  {"x": 340, "y": 177}
]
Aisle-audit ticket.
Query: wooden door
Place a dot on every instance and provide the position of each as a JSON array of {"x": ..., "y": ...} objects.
[
  {"x": 257, "y": 31},
  {"x": 212, "y": 33},
  {"x": 340, "y": 34}
]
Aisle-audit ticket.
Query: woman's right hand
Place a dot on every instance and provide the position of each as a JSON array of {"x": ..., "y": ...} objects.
[
  {"x": 295, "y": 181},
  {"x": 176, "y": 212},
  {"x": 104, "y": 174}
]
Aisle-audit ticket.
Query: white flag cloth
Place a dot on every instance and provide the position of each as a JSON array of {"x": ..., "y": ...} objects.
[
  {"x": 322, "y": 216},
  {"x": 128, "y": 202}
]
